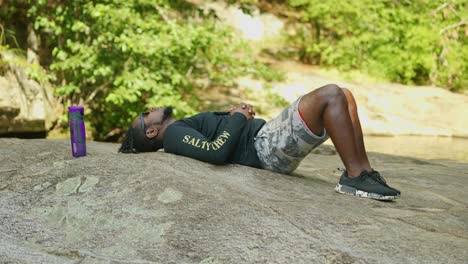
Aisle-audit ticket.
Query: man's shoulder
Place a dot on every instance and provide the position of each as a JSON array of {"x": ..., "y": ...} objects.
[
  {"x": 203, "y": 115},
  {"x": 210, "y": 113},
  {"x": 197, "y": 115},
  {"x": 196, "y": 120}
]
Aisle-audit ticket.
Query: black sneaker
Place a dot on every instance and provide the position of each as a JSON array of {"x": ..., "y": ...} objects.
[
  {"x": 368, "y": 185},
  {"x": 376, "y": 175}
]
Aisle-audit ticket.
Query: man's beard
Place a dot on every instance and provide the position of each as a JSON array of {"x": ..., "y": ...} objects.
[{"x": 167, "y": 113}]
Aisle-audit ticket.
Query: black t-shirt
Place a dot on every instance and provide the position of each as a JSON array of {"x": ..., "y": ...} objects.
[{"x": 215, "y": 137}]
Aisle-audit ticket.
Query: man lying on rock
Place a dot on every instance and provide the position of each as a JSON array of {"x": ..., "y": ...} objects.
[{"x": 278, "y": 145}]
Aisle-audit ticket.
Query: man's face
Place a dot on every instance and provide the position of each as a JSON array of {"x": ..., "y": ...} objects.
[{"x": 154, "y": 115}]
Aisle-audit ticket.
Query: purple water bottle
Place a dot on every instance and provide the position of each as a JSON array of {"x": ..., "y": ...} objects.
[{"x": 77, "y": 131}]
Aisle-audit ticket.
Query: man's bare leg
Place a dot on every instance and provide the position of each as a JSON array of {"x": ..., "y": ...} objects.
[
  {"x": 327, "y": 107},
  {"x": 352, "y": 109}
]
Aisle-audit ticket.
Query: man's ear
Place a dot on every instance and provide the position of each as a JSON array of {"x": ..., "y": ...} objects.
[{"x": 152, "y": 132}]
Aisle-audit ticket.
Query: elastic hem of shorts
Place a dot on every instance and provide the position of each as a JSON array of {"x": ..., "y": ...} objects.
[{"x": 307, "y": 128}]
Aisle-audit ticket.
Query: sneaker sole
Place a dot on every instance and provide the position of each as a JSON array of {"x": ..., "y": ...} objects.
[{"x": 355, "y": 192}]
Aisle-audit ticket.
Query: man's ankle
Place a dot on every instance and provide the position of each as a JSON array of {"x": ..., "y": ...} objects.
[{"x": 353, "y": 174}]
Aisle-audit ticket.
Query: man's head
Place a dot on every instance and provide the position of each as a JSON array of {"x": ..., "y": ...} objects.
[{"x": 147, "y": 130}]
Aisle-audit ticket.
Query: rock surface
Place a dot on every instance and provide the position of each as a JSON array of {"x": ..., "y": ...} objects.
[
  {"x": 161, "y": 208},
  {"x": 26, "y": 106}
]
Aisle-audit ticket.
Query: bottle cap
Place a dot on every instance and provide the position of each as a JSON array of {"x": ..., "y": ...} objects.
[{"x": 76, "y": 108}]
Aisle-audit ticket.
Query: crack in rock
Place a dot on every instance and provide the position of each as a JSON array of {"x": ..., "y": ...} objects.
[{"x": 76, "y": 185}]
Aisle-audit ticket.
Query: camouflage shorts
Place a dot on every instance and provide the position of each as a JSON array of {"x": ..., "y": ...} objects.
[{"x": 283, "y": 142}]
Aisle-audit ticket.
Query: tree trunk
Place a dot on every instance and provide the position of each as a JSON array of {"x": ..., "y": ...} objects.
[{"x": 33, "y": 45}]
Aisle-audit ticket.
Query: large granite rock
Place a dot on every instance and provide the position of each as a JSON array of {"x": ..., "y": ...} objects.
[
  {"x": 26, "y": 106},
  {"x": 161, "y": 208}
]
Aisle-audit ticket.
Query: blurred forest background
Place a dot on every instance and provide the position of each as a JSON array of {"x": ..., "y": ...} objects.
[{"x": 117, "y": 57}]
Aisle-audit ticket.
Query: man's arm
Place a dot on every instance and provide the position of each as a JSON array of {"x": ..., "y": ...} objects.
[{"x": 184, "y": 140}]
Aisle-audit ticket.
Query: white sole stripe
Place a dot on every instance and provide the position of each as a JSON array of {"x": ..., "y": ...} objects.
[{"x": 363, "y": 194}]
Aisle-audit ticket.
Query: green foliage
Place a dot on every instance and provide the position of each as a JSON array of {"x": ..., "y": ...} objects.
[
  {"x": 119, "y": 57},
  {"x": 415, "y": 42},
  {"x": 16, "y": 57}
]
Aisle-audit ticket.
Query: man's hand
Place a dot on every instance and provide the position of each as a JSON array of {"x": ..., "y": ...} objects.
[{"x": 245, "y": 109}]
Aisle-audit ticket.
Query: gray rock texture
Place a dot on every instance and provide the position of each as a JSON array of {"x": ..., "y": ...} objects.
[
  {"x": 25, "y": 105},
  {"x": 160, "y": 208}
]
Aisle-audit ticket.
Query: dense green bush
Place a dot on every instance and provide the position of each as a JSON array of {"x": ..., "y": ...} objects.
[
  {"x": 416, "y": 42},
  {"x": 118, "y": 57}
]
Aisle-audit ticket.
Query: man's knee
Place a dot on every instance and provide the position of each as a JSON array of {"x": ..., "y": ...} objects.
[
  {"x": 350, "y": 98},
  {"x": 333, "y": 92},
  {"x": 348, "y": 93}
]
